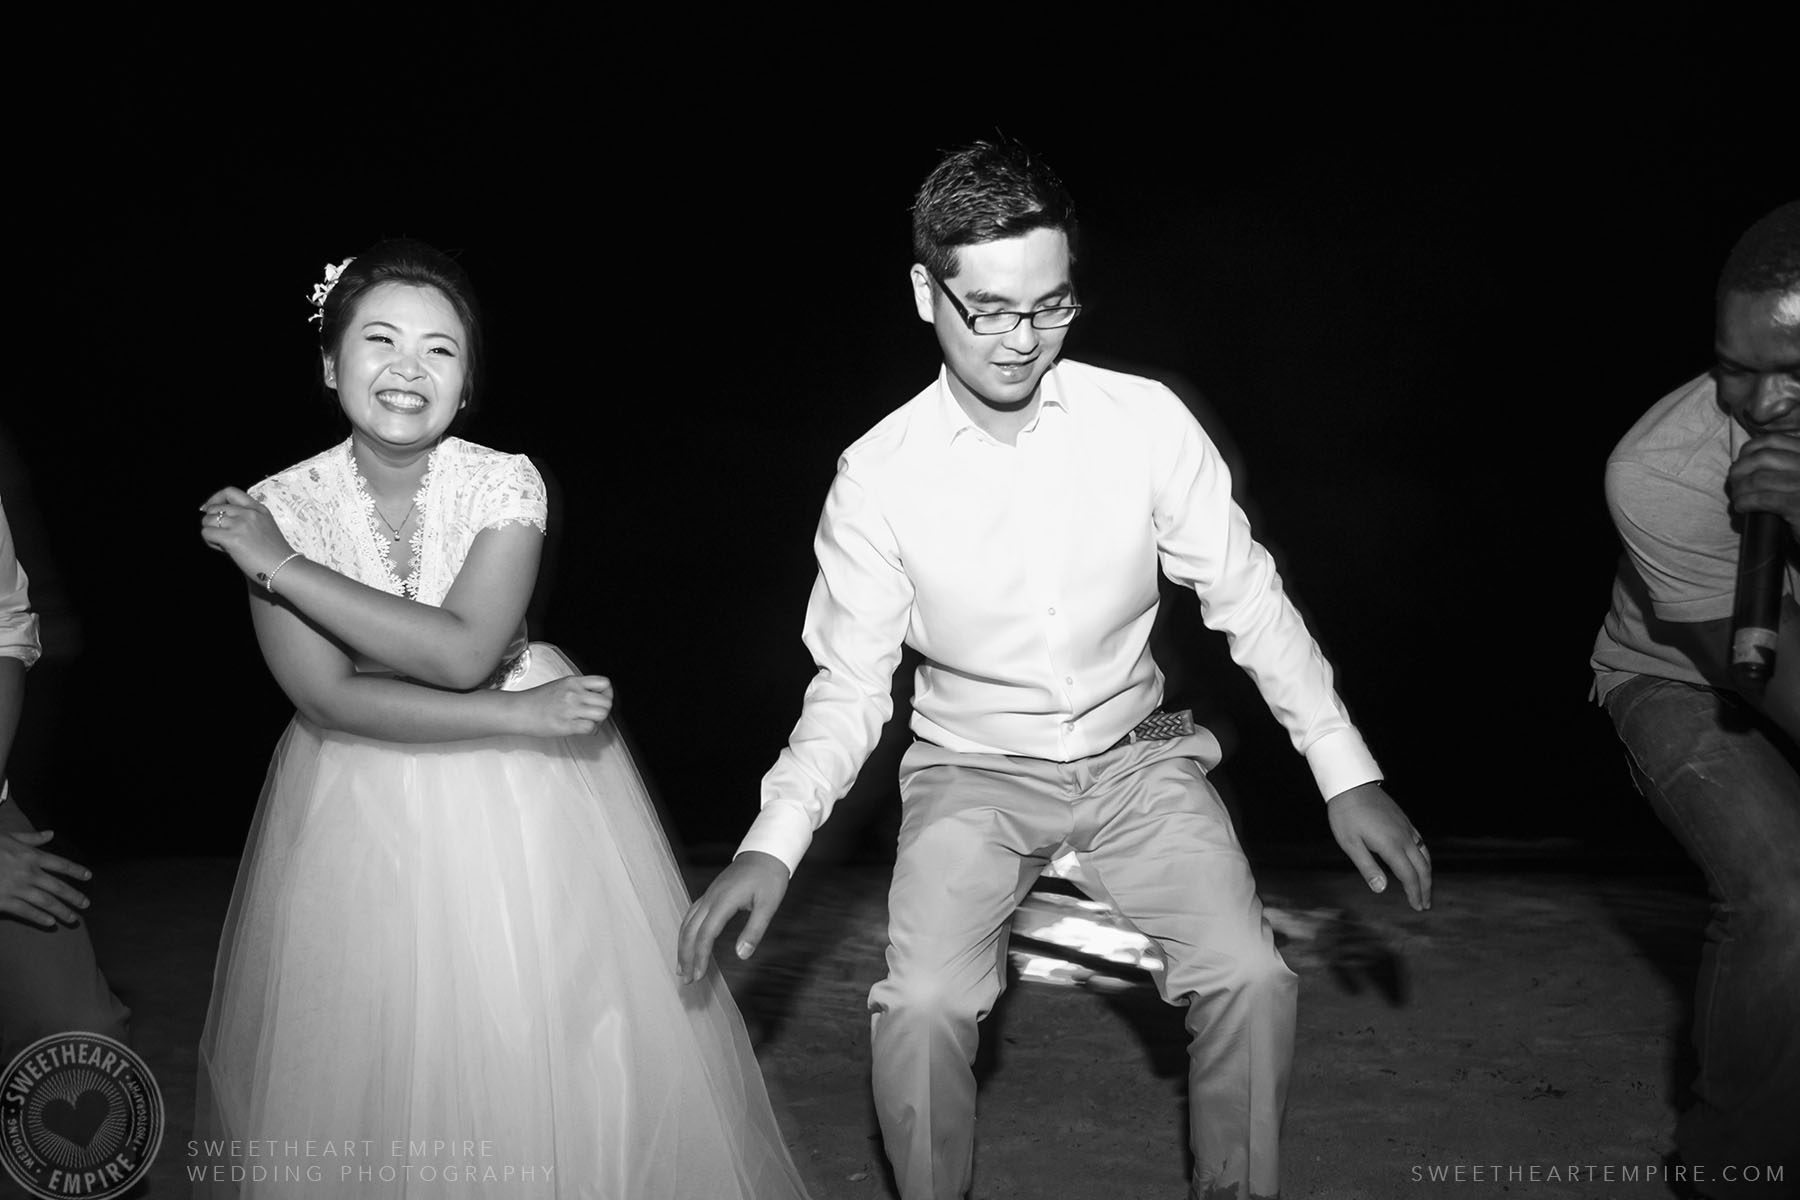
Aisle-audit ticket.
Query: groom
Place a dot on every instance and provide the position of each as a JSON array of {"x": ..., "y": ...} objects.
[{"x": 1008, "y": 523}]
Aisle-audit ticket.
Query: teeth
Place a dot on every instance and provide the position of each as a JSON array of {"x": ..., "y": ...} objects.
[{"x": 401, "y": 400}]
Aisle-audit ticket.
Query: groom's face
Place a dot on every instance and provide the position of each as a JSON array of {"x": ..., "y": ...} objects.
[{"x": 1020, "y": 274}]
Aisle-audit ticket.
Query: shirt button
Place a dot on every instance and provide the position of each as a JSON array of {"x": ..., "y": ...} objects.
[
  {"x": 1053, "y": 611},
  {"x": 1068, "y": 679}
]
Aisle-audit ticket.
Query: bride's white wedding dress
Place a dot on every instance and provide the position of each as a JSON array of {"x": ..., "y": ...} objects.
[{"x": 448, "y": 970}]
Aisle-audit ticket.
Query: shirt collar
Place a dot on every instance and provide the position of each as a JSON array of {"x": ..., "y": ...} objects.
[{"x": 957, "y": 422}]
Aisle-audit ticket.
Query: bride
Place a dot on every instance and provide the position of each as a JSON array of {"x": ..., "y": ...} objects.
[{"x": 446, "y": 969}]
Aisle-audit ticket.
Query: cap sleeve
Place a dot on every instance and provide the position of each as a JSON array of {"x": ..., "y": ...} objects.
[
  {"x": 512, "y": 493},
  {"x": 295, "y": 514}
]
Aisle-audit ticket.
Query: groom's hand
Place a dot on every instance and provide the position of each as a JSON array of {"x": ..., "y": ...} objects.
[
  {"x": 1370, "y": 826},
  {"x": 754, "y": 881}
]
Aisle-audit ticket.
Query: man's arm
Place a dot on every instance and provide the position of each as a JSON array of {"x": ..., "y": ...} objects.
[
  {"x": 33, "y": 883},
  {"x": 1205, "y": 542},
  {"x": 855, "y": 622},
  {"x": 1677, "y": 539},
  {"x": 12, "y": 702},
  {"x": 18, "y": 639},
  {"x": 1766, "y": 478}
]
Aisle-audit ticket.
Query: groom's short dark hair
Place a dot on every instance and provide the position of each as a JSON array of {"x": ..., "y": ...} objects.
[{"x": 985, "y": 192}]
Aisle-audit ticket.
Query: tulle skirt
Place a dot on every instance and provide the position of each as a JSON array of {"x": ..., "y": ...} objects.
[{"x": 449, "y": 970}]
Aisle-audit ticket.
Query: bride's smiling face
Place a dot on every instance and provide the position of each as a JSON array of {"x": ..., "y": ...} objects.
[{"x": 399, "y": 367}]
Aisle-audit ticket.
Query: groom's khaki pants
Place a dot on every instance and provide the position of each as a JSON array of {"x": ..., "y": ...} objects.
[{"x": 1155, "y": 842}]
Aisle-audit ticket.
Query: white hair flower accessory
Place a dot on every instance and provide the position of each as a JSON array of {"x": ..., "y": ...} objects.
[{"x": 322, "y": 290}]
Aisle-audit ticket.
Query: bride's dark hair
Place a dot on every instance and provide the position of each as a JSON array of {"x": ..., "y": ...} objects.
[{"x": 403, "y": 260}]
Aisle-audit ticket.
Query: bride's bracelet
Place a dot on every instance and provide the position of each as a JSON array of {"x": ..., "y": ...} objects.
[{"x": 268, "y": 580}]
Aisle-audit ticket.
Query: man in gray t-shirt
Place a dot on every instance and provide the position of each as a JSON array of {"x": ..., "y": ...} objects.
[{"x": 1717, "y": 759}]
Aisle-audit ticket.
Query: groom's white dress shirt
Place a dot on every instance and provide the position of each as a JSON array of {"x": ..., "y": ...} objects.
[{"x": 1026, "y": 577}]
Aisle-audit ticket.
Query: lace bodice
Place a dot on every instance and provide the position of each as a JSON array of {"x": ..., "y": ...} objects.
[{"x": 326, "y": 513}]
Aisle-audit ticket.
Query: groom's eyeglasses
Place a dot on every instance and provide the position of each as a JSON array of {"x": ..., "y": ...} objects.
[{"x": 989, "y": 323}]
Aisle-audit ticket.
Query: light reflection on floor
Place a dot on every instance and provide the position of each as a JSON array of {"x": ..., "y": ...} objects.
[
  {"x": 1068, "y": 940},
  {"x": 1071, "y": 941}
]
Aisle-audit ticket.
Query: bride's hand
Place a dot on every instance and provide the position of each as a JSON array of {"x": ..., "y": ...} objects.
[
  {"x": 233, "y": 522},
  {"x": 569, "y": 707}
]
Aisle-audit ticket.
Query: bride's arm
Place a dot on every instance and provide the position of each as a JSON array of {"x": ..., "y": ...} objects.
[
  {"x": 320, "y": 678},
  {"x": 455, "y": 645}
]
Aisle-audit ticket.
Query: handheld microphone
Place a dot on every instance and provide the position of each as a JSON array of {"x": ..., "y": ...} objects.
[{"x": 1756, "y": 612}]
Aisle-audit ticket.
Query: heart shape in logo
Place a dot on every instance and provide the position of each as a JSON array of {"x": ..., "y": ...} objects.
[{"x": 78, "y": 1121}]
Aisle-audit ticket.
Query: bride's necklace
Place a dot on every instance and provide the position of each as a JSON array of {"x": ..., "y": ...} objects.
[
  {"x": 393, "y": 528},
  {"x": 368, "y": 493}
]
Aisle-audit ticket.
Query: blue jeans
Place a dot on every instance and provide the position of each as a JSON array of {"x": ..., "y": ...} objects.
[{"x": 1727, "y": 785}]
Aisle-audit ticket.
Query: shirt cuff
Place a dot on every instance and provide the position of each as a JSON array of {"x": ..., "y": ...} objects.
[
  {"x": 1340, "y": 761},
  {"x": 783, "y": 830}
]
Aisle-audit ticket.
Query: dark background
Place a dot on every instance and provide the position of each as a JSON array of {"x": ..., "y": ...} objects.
[{"x": 1415, "y": 288}]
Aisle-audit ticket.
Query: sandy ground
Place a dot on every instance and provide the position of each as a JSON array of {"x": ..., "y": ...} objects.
[
  {"x": 1532, "y": 1022},
  {"x": 1523, "y": 1022}
]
